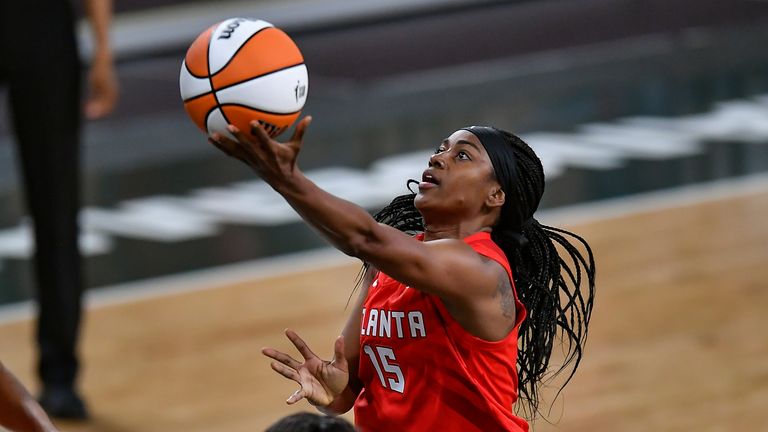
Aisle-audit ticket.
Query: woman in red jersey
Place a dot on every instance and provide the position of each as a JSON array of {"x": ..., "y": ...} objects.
[{"x": 463, "y": 295}]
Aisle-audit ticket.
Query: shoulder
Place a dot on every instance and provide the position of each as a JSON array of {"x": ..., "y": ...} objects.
[{"x": 483, "y": 244}]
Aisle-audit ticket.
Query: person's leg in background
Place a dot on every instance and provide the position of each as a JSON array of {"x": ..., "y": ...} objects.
[{"x": 44, "y": 90}]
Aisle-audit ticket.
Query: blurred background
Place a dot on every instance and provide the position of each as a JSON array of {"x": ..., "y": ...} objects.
[{"x": 618, "y": 97}]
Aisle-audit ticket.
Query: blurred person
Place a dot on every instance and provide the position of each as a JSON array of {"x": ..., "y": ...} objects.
[
  {"x": 461, "y": 288},
  {"x": 309, "y": 422},
  {"x": 19, "y": 411},
  {"x": 41, "y": 69}
]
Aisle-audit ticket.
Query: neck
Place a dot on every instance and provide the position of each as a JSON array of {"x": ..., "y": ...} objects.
[{"x": 435, "y": 231}]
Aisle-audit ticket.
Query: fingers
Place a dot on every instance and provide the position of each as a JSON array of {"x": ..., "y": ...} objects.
[
  {"x": 301, "y": 129},
  {"x": 285, "y": 371},
  {"x": 287, "y": 367},
  {"x": 300, "y": 345},
  {"x": 239, "y": 135},
  {"x": 103, "y": 91},
  {"x": 98, "y": 107},
  {"x": 297, "y": 140},
  {"x": 102, "y": 100},
  {"x": 242, "y": 147},
  {"x": 230, "y": 148},
  {"x": 258, "y": 131},
  {"x": 242, "y": 141},
  {"x": 257, "y": 148},
  {"x": 223, "y": 143},
  {"x": 281, "y": 357},
  {"x": 214, "y": 139},
  {"x": 295, "y": 397}
]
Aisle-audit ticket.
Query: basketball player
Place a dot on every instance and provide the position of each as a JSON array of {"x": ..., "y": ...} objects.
[
  {"x": 41, "y": 70},
  {"x": 447, "y": 316},
  {"x": 18, "y": 410}
]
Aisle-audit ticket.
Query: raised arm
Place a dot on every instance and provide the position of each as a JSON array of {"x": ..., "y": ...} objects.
[{"x": 448, "y": 268}]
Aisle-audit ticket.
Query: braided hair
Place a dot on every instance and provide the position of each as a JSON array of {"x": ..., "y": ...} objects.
[{"x": 556, "y": 290}]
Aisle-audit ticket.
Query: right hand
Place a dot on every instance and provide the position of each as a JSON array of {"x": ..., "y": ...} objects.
[
  {"x": 321, "y": 381},
  {"x": 103, "y": 87},
  {"x": 274, "y": 161}
]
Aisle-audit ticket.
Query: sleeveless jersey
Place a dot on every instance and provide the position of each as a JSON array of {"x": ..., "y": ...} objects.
[{"x": 421, "y": 371}]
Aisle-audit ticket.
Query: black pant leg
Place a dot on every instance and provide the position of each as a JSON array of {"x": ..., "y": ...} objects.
[{"x": 45, "y": 107}]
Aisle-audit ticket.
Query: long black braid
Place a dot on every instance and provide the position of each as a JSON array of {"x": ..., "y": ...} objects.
[{"x": 556, "y": 290}]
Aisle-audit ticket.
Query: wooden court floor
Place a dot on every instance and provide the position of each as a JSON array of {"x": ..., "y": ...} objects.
[{"x": 678, "y": 342}]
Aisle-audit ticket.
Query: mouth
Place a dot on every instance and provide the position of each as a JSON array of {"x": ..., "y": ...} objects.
[{"x": 428, "y": 180}]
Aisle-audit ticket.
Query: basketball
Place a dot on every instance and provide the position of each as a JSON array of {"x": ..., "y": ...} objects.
[{"x": 241, "y": 70}]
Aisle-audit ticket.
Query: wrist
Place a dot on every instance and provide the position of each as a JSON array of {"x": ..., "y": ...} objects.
[
  {"x": 102, "y": 55},
  {"x": 319, "y": 405},
  {"x": 290, "y": 184}
]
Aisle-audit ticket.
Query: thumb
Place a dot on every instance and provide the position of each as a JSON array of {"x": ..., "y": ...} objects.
[
  {"x": 295, "y": 397},
  {"x": 339, "y": 359},
  {"x": 297, "y": 140}
]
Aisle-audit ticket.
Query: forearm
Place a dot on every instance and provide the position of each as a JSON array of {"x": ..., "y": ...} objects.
[
  {"x": 352, "y": 230},
  {"x": 345, "y": 225},
  {"x": 99, "y": 14}
]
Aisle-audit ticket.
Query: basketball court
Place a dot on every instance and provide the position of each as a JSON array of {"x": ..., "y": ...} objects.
[
  {"x": 652, "y": 130},
  {"x": 675, "y": 343}
]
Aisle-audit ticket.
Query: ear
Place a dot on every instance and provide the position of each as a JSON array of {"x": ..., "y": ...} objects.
[{"x": 495, "y": 198}]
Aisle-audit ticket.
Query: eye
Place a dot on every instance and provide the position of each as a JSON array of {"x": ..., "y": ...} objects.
[
  {"x": 439, "y": 149},
  {"x": 462, "y": 155}
]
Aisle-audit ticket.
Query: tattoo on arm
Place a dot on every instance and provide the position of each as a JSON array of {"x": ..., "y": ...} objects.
[
  {"x": 506, "y": 295},
  {"x": 504, "y": 288}
]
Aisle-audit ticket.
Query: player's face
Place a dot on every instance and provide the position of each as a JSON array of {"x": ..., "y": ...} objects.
[{"x": 459, "y": 178}]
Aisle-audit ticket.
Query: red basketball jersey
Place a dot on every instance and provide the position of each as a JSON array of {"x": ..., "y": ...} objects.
[{"x": 422, "y": 371}]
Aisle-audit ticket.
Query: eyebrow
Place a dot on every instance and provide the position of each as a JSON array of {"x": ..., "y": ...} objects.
[{"x": 469, "y": 143}]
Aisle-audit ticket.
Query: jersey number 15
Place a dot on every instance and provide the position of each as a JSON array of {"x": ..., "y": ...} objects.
[{"x": 383, "y": 360}]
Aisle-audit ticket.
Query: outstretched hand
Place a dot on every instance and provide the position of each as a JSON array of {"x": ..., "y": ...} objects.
[
  {"x": 272, "y": 160},
  {"x": 321, "y": 381}
]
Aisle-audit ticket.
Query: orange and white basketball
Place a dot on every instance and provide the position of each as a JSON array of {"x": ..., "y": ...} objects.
[{"x": 241, "y": 70}]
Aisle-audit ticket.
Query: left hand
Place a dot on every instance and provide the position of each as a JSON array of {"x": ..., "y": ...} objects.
[
  {"x": 320, "y": 381},
  {"x": 272, "y": 160},
  {"x": 103, "y": 88}
]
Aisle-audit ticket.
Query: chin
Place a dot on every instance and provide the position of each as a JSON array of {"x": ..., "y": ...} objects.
[
  {"x": 419, "y": 201},
  {"x": 426, "y": 204}
]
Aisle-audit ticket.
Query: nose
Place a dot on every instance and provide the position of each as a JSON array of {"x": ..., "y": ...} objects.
[{"x": 436, "y": 160}]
